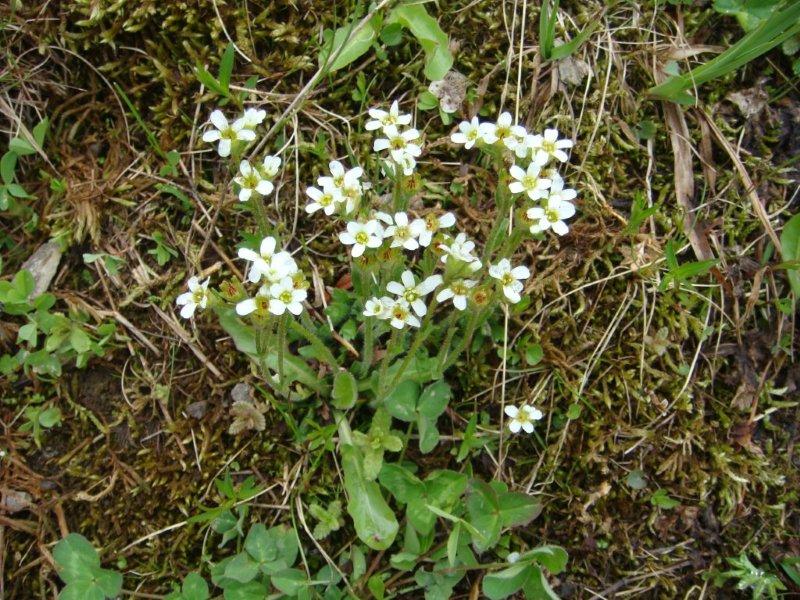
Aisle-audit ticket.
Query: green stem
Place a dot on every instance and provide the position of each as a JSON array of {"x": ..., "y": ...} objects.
[
  {"x": 472, "y": 325},
  {"x": 281, "y": 350},
  {"x": 421, "y": 336},
  {"x": 385, "y": 360},
  {"x": 260, "y": 210},
  {"x": 369, "y": 342},
  {"x": 450, "y": 328}
]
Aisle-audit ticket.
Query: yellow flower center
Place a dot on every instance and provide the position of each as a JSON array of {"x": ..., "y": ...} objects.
[
  {"x": 398, "y": 143},
  {"x": 549, "y": 147},
  {"x": 551, "y": 215},
  {"x": 198, "y": 296},
  {"x": 507, "y": 279},
  {"x": 529, "y": 182},
  {"x": 262, "y": 303},
  {"x": 362, "y": 238},
  {"x": 285, "y": 296},
  {"x": 411, "y": 296}
]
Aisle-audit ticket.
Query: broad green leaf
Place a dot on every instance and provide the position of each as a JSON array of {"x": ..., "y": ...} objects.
[
  {"x": 260, "y": 544},
  {"x": 27, "y": 333},
  {"x": 433, "y": 40},
  {"x": 289, "y": 581},
  {"x": 401, "y": 403},
  {"x": 452, "y": 544},
  {"x": 501, "y": 584},
  {"x": 401, "y": 483},
  {"x": 374, "y": 521},
  {"x": 242, "y": 568},
  {"x": 79, "y": 340},
  {"x": 483, "y": 508},
  {"x": 344, "y": 46},
  {"x": 428, "y": 434},
  {"x": 537, "y": 588},
  {"x": 50, "y": 417},
  {"x": 21, "y": 146},
  {"x": 517, "y": 508},
  {"x": 252, "y": 590},
  {"x": 345, "y": 390},
  {"x": 553, "y": 558},
  {"x": 376, "y": 587},
  {"x": 40, "y": 131},
  {"x": 433, "y": 399},
  {"x": 8, "y": 164},
  {"x": 662, "y": 499},
  {"x": 74, "y": 556},
  {"x": 194, "y": 587},
  {"x": 790, "y": 243},
  {"x": 392, "y": 34}
]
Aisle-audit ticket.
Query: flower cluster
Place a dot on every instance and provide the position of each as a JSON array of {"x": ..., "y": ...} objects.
[
  {"x": 535, "y": 181},
  {"x": 283, "y": 285},
  {"x": 227, "y": 134},
  {"x": 342, "y": 189},
  {"x": 401, "y": 144}
]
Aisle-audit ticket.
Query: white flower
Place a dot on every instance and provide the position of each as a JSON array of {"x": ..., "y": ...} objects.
[
  {"x": 548, "y": 145},
  {"x": 251, "y": 180},
  {"x": 412, "y": 292},
  {"x": 406, "y": 162},
  {"x": 529, "y": 181},
  {"x": 400, "y": 316},
  {"x": 253, "y": 117},
  {"x": 553, "y": 215},
  {"x": 457, "y": 290},
  {"x": 267, "y": 263},
  {"x": 522, "y": 418},
  {"x": 471, "y": 132},
  {"x": 510, "y": 278},
  {"x": 325, "y": 199},
  {"x": 512, "y": 557},
  {"x": 227, "y": 133},
  {"x": 284, "y": 296},
  {"x": 362, "y": 236},
  {"x": 270, "y": 166},
  {"x": 259, "y": 304},
  {"x": 380, "y": 308},
  {"x": 404, "y": 234},
  {"x": 461, "y": 249},
  {"x": 196, "y": 296},
  {"x": 382, "y": 118},
  {"x": 507, "y": 134},
  {"x": 431, "y": 224},
  {"x": 347, "y": 181},
  {"x": 398, "y": 144}
]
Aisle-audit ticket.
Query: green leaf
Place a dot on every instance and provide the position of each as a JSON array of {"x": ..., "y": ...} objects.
[
  {"x": 483, "y": 507},
  {"x": 226, "y": 68},
  {"x": 790, "y": 243},
  {"x": 374, "y": 521},
  {"x": 537, "y": 588},
  {"x": 518, "y": 508},
  {"x": 79, "y": 340},
  {"x": 553, "y": 558},
  {"x": 427, "y": 101},
  {"x": 501, "y": 584},
  {"x": 21, "y": 146},
  {"x": 661, "y": 499},
  {"x": 345, "y": 390},
  {"x": 452, "y": 544},
  {"x": 533, "y": 354},
  {"x": 207, "y": 79},
  {"x": 433, "y": 400},
  {"x": 27, "y": 333},
  {"x": 194, "y": 587},
  {"x": 241, "y": 568},
  {"x": 574, "y": 411},
  {"x": 392, "y": 34},
  {"x": 402, "y": 401},
  {"x": 74, "y": 556},
  {"x": 289, "y": 581},
  {"x": 8, "y": 164},
  {"x": 566, "y": 49},
  {"x": 433, "y": 40},
  {"x": 50, "y": 417},
  {"x": 345, "y": 46},
  {"x": 376, "y": 587},
  {"x": 40, "y": 131},
  {"x": 640, "y": 211},
  {"x": 252, "y": 590},
  {"x": 636, "y": 480},
  {"x": 260, "y": 544}
]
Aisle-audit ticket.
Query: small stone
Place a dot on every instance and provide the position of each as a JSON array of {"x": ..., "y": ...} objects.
[
  {"x": 15, "y": 501},
  {"x": 43, "y": 264},
  {"x": 242, "y": 392},
  {"x": 573, "y": 71},
  {"x": 197, "y": 410}
]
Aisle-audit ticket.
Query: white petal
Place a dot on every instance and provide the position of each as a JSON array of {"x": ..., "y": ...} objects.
[
  {"x": 527, "y": 427},
  {"x": 460, "y": 302},
  {"x": 212, "y": 135},
  {"x": 245, "y": 307},
  {"x": 511, "y": 411},
  {"x": 520, "y": 272},
  {"x": 187, "y": 312},
  {"x": 265, "y": 187},
  {"x": 407, "y": 278},
  {"x": 444, "y": 294},
  {"x": 380, "y": 144},
  {"x": 514, "y": 426},
  {"x": 218, "y": 119},
  {"x": 395, "y": 287},
  {"x": 447, "y": 220},
  {"x": 224, "y": 148},
  {"x": 560, "y": 228}
]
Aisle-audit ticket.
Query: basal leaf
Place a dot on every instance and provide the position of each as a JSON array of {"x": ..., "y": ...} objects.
[{"x": 790, "y": 243}]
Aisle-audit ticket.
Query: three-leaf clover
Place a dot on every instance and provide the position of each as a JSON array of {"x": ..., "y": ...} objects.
[{"x": 79, "y": 567}]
